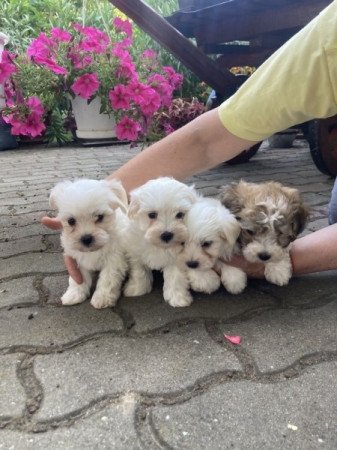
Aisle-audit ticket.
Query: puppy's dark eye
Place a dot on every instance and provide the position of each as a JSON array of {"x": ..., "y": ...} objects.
[
  {"x": 71, "y": 221},
  {"x": 99, "y": 218},
  {"x": 206, "y": 244},
  {"x": 180, "y": 215},
  {"x": 182, "y": 243},
  {"x": 250, "y": 232},
  {"x": 152, "y": 215}
]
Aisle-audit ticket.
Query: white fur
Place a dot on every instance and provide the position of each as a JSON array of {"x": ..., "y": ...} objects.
[
  {"x": 86, "y": 202},
  {"x": 212, "y": 234},
  {"x": 167, "y": 200}
]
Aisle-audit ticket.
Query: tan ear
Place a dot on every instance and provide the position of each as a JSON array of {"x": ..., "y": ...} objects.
[
  {"x": 230, "y": 198},
  {"x": 300, "y": 211},
  {"x": 56, "y": 192},
  {"x": 122, "y": 199},
  {"x": 134, "y": 208}
]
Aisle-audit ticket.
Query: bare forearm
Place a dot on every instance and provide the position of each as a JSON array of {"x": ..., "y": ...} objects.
[
  {"x": 198, "y": 146},
  {"x": 315, "y": 252}
]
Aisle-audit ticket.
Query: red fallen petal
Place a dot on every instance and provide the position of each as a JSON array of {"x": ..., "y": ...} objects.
[{"x": 236, "y": 340}]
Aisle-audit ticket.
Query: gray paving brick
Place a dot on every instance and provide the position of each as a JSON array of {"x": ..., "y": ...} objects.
[
  {"x": 109, "y": 428},
  {"x": 276, "y": 339},
  {"x": 17, "y": 292},
  {"x": 31, "y": 263},
  {"x": 41, "y": 327},
  {"x": 154, "y": 364},
  {"x": 251, "y": 415},
  {"x": 12, "y": 399}
]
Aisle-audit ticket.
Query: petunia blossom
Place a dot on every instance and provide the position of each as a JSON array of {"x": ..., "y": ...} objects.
[
  {"x": 60, "y": 35},
  {"x": 6, "y": 68},
  {"x": 119, "y": 97},
  {"x": 127, "y": 129},
  {"x": 123, "y": 26},
  {"x": 151, "y": 103},
  {"x": 86, "y": 85}
]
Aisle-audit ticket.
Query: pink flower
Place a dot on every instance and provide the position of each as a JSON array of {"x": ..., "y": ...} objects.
[
  {"x": 60, "y": 35},
  {"x": 123, "y": 26},
  {"x": 41, "y": 47},
  {"x": 96, "y": 41},
  {"x": 139, "y": 92},
  {"x": 119, "y": 97},
  {"x": 33, "y": 125},
  {"x": 168, "y": 129},
  {"x": 6, "y": 67},
  {"x": 127, "y": 129},
  {"x": 35, "y": 105},
  {"x": 127, "y": 70},
  {"x": 174, "y": 78},
  {"x": 151, "y": 103},
  {"x": 86, "y": 85},
  {"x": 52, "y": 65},
  {"x": 150, "y": 54}
]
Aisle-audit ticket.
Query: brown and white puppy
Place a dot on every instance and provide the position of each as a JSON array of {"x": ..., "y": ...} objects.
[{"x": 271, "y": 217}]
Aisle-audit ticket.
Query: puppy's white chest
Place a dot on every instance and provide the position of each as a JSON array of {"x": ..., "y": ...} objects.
[{"x": 157, "y": 258}]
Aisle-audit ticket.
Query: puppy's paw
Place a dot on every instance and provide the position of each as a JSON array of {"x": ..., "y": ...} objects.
[
  {"x": 279, "y": 274},
  {"x": 233, "y": 279},
  {"x": 100, "y": 300},
  {"x": 180, "y": 300},
  {"x": 73, "y": 296},
  {"x": 136, "y": 289},
  {"x": 204, "y": 281}
]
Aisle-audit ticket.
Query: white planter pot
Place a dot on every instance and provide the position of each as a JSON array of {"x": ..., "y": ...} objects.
[{"x": 90, "y": 123}]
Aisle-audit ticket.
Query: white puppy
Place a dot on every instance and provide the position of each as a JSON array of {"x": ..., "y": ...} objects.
[
  {"x": 91, "y": 219},
  {"x": 154, "y": 237},
  {"x": 212, "y": 234}
]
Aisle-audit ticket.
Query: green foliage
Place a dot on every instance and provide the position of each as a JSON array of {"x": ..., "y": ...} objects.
[{"x": 56, "y": 134}]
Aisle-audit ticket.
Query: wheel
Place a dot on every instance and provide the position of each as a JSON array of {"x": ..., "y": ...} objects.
[
  {"x": 322, "y": 137},
  {"x": 246, "y": 155}
]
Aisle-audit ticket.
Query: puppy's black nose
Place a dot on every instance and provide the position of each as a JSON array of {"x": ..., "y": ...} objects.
[
  {"x": 264, "y": 256},
  {"x": 166, "y": 236},
  {"x": 192, "y": 264},
  {"x": 87, "y": 240}
]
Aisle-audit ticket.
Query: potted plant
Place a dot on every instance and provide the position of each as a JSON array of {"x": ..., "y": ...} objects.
[{"x": 87, "y": 68}]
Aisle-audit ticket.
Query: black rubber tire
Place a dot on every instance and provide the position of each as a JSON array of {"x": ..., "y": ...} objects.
[{"x": 246, "y": 155}]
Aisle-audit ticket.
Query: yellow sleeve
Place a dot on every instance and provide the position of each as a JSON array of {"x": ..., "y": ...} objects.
[{"x": 296, "y": 84}]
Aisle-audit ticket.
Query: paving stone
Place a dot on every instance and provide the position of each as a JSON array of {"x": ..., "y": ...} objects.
[
  {"x": 252, "y": 415},
  {"x": 48, "y": 326},
  {"x": 56, "y": 286},
  {"x": 151, "y": 311},
  {"x": 162, "y": 363},
  {"x": 306, "y": 291},
  {"x": 12, "y": 396},
  {"x": 24, "y": 245},
  {"x": 18, "y": 291},
  {"x": 31, "y": 263},
  {"x": 110, "y": 428},
  {"x": 18, "y": 232},
  {"x": 276, "y": 339}
]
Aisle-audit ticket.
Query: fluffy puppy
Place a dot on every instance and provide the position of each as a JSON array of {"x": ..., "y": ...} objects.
[
  {"x": 154, "y": 235},
  {"x": 90, "y": 212},
  {"x": 212, "y": 235},
  {"x": 271, "y": 216}
]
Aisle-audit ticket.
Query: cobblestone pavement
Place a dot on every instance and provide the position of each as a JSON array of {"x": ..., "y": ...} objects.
[{"x": 145, "y": 375}]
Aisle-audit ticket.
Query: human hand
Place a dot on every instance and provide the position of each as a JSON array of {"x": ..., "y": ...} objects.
[
  {"x": 253, "y": 270},
  {"x": 71, "y": 265}
]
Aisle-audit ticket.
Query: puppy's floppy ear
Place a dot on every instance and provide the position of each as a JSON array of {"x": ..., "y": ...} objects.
[
  {"x": 134, "y": 208},
  {"x": 229, "y": 197},
  {"x": 299, "y": 211},
  {"x": 121, "y": 200},
  {"x": 56, "y": 192}
]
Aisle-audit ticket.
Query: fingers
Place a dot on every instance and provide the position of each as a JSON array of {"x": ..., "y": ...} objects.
[
  {"x": 73, "y": 269},
  {"x": 51, "y": 222}
]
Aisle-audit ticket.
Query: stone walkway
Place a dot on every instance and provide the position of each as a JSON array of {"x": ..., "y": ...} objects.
[{"x": 145, "y": 375}]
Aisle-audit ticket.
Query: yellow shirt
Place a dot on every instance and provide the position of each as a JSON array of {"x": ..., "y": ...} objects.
[{"x": 296, "y": 84}]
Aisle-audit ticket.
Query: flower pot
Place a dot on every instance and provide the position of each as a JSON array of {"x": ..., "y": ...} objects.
[
  {"x": 90, "y": 123},
  {"x": 283, "y": 139}
]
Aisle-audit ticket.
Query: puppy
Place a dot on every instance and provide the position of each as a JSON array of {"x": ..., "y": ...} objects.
[
  {"x": 90, "y": 212},
  {"x": 271, "y": 216},
  {"x": 212, "y": 234},
  {"x": 154, "y": 237}
]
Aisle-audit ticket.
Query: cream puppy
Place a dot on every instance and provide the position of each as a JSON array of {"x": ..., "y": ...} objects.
[
  {"x": 271, "y": 216},
  {"x": 212, "y": 234},
  {"x": 154, "y": 237},
  {"x": 90, "y": 212}
]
